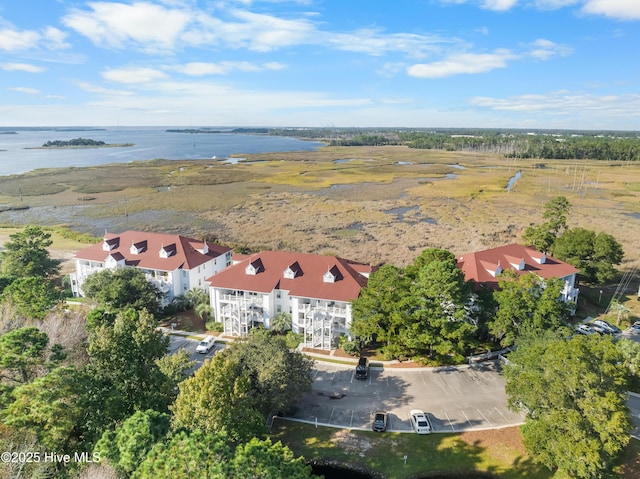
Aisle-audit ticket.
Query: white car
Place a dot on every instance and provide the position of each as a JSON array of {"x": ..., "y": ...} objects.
[
  {"x": 585, "y": 329},
  {"x": 420, "y": 422},
  {"x": 206, "y": 344}
]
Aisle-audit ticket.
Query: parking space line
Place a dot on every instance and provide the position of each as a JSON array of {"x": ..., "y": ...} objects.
[
  {"x": 331, "y": 416},
  {"x": 422, "y": 377},
  {"x": 450, "y": 423},
  {"x": 499, "y": 412},
  {"x": 485, "y": 417},
  {"x": 351, "y": 423},
  {"x": 465, "y": 416}
]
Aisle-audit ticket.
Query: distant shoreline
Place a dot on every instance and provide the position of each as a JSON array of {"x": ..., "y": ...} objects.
[{"x": 76, "y": 147}]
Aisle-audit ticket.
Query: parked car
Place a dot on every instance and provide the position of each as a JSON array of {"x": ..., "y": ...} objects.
[
  {"x": 585, "y": 329},
  {"x": 379, "y": 423},
  {"x": 205, "y": 345},
  {"x": 636, "y": 327},
  {"x": 420, "y": 422},
  {"x": 362, "y": 369},
  {"x": 604, "y": 325}
]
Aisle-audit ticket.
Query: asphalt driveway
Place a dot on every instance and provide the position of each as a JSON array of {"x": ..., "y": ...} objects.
[{"x": 455, "y": 398}]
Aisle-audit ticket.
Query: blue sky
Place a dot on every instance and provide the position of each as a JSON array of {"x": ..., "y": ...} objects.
[{"x": 344, "y": 63}]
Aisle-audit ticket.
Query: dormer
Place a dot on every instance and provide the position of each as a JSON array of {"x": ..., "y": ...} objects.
[
  {"x": 110, "y": 244},
  {"x": 167, "y": 251},
  {"x": 517, "y": 263},
  {"x": 292, "y": 271},
  {"x": 332, "y": 275},
  {"x": 254, "y": 267},
  {"x": 204, "y": 249},
  {"x": 542, "y": 259},
  {"x": 114, "y": 260},
  {"x": 491, "y": 268},
  {"x": 139, "y": 247}
]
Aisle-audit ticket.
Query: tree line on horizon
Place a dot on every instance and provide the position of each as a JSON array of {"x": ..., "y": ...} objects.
[{"x": 513, "y": 143}]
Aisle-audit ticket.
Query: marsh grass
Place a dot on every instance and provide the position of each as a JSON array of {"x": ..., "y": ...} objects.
[{"x": 306, "y": 201}]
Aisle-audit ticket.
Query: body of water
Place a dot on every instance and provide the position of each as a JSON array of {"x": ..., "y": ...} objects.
[{"x": 149, "y": 143}]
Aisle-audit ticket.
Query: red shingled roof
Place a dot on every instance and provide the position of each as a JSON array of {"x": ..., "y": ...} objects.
[
  {"x": 308, "y": 281},
  {"x": 477, "y": 266},
  {"x": 182, "y": 252}
]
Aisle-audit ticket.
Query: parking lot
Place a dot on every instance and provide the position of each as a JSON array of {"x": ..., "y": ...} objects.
[
  {"x": 454, "y": 398},
  {"x": 182, "y": 342}
]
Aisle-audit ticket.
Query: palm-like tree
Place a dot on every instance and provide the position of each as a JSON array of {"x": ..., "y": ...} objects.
[
  {"x": 281, "y": 323},
  {"x": 203, "y": 310},
  {"x": 196, "y": 296}
]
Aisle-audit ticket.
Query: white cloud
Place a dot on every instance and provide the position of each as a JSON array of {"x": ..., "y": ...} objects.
[
  {"x": 24, "y": 89},
  {"x": 91, "y": 88},
  {"x": 462, "y": 63},
  {"x": 374, "y": 42},
  {"x": 619, "y": 9},
  {"x": 555, "y": 4},
  {"x": 563, "y": 102},
  {"x": 21, "y": 67},
  {"x": 150, "y": 26},
  {"x": 159, "y": 29},
  {"x": 54, "y": 39},
  {"x": 544, "y": 49},
  {"x": 132, "y": 75},
  {"x": 499, "y": 5},
  {"x": 12, "y": 39},
  {"x": 223, "y": 68},
  {"x": 496, "y": 5}
]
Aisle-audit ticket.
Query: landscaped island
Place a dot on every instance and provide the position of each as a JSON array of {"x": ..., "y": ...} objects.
[{"x": 80, "y": 143}]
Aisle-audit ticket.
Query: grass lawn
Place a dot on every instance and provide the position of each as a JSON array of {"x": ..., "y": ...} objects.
[{"x": 497, "y": 451}]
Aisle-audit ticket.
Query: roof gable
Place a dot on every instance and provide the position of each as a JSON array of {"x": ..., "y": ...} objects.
[
  {"x": 302, "y": 275},
  {"x": 154, "y": 250},
  {"x": 483, "y": 267}
]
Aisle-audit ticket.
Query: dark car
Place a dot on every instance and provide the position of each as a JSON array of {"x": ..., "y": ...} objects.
[
  {"x": 379, "y": 423},
  {"x": 362, "y": 369}
]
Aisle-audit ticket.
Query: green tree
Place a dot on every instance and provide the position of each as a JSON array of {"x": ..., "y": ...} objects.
[
  {"x": 33, "y": 297},
  {"x": 527, "y": 305},
  {"x": 26, "y": 254},
  {"x": 439, "y": 294},
  {"x": 125, "y": 355},
  {"x": 196, "y": 296},
  {"x": 127, "y": 446},
  {"x": 187, "y": 456},
  {"x": 278, "y": 375},
  {"x": 122, "y": 288},
  {"x": 22, "y": 354},
  {"x": 573, "y": 393},
  {"x": 266, "y": 460},
  {"x": 54, "y": 407},
  {"x": 174, "y": 369},
  {"x": 281, "y": 323},
  {"x": 593, "y": 254},
  {"x": 217, "y": 399},
  {"x": 381, "y": 310},
  {"x": 543, "y": 236}
]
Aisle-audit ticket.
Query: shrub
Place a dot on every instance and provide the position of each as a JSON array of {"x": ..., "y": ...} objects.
[{"x": 214, "y": 326}]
